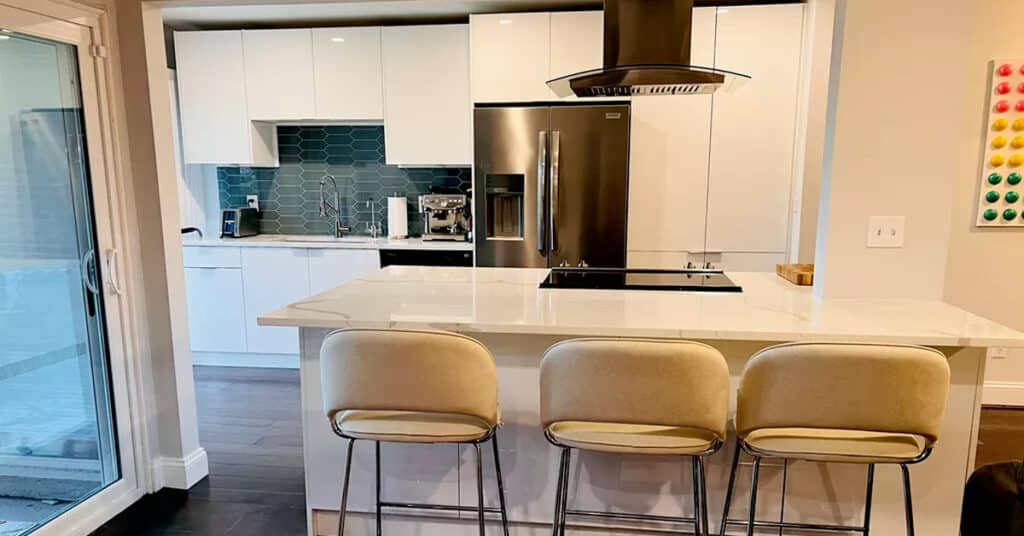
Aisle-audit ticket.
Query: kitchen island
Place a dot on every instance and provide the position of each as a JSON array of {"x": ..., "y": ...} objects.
[{"x": 517, "y": 321}]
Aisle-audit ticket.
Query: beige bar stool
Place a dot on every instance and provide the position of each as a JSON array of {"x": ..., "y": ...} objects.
[
  {"x": 843, "y": 403},
  {"x": 412, "y": 387},
  {"x": 636, "y": 396}
]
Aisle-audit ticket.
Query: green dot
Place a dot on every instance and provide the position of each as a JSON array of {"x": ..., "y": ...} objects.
[
  {"x": 992, "y": 196},
  {"x": 991, "y": 215},
  {"x": 1013, "y": 178},
  {"x": 995, "y": 178},
  {"x": 1009, "y": 214},
  {"x": 1012, "y": 197}
]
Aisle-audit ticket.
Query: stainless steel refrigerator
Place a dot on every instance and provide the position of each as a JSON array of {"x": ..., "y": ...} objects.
[{"x": 551, "y": 184}]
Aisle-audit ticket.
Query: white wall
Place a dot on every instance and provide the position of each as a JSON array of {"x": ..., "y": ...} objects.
[
  {"x": 897, "y": 68},
  {"x": 982, "y": 274}
]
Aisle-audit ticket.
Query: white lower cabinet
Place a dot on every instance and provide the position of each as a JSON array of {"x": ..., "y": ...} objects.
[
  {"x": 329, "y": 268},
  {"x": 215, "y": 309},
  {"x": 271, "y": 279}
]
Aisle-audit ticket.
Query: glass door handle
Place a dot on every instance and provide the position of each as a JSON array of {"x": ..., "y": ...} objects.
[
  {"x": 113, "y": 271},
  {"x": 89, "y": 271}
]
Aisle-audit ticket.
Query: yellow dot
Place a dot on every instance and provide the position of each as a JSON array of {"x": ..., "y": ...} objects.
[
  {"x": 999, "y": 142},
  {"x": 1018, "y": 124},
  {"x": 1018, "y": 142},
  {"x": 1017, "y": 160},
  {"x": 1001, "y": 124},
  {"x": 998, "y": 160}
]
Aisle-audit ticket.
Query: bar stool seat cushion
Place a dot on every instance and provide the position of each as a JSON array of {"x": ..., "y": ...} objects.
[
  {"x": 632, "y": 438},
  {"x": 832, "y": 445},
  {"x": 411, "y": 426}
]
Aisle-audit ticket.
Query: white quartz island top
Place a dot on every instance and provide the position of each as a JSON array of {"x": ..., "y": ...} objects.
[{"x": 508, "y": 300}]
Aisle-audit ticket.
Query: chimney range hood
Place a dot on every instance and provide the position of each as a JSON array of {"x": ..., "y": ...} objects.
[{"x": 647, "y": 52}]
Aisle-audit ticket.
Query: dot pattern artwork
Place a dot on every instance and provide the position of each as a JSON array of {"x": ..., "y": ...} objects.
[{"x": 1002, "y": 167}]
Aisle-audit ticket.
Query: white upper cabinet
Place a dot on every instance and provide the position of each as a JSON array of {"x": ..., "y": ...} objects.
[
  {"x": 348, "y": 74},
  {"x": 753, "y": 143},
  {"x": 214, "y": 116},
  {"x": 279, "y": 74},
  {"x": 577, "y": 42},
  {"x": 511, "y": 57},
  {"x": 668, "y": 167},
  {"x": 427, "y": 111}
]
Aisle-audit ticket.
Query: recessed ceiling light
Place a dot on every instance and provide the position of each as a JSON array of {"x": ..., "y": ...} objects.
[
  {"x": 338, "y": 39},
  {"x": 504, "y": 21}
]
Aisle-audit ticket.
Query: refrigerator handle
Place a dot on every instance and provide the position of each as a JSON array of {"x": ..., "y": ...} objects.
[
  {"x": 553, "y": 207},
  {"x": 542, "y": 165}
]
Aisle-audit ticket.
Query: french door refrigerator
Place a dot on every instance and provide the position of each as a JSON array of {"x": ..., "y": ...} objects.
[{"x": 551, "y": 184}]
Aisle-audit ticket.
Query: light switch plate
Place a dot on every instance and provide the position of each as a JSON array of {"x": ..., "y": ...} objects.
[
  {"x": 997, "y": 352},
  {"x": 252, "y": 201},
  {"x": 885, "y": 231}
]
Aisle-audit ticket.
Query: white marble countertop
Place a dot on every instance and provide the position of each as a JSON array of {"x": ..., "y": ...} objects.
[
  {"x": 329, "y": 242},
  {"x": 508, "y": 300}
]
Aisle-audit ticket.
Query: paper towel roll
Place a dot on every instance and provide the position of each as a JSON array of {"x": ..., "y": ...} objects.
[{"x": 398, "y": 217}]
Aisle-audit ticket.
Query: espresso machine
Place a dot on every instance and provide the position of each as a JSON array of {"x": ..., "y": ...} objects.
[{"x": 445, "y": 216}]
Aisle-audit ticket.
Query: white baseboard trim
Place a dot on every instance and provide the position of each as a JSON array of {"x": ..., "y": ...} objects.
[
  {"x": 229, "y": 359},
  {"x": 181, "y": 473},
  {"x": 1003, "y": 394}
]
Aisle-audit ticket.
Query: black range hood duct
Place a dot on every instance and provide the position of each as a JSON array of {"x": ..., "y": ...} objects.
[{"x": 647, "y": 52}]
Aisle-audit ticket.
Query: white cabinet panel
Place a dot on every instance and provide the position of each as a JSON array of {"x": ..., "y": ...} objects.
[
  {"x": 330, "y": 268},
  {"x": 273, "y": 278},
  {"x": 215, "y": 309},
  {"x": 511, "y": 57},
  {"x": 348, "y": 75},
  {"x": 668, "y": 166},
  {"x": 753, "y": 141},
  {"x": 212, "y": 256},
  {"x": 212, "y": 92},
  {"x": 279, "y": 74},
  {"x": 427, "y": 112},
  {"x": 577, "y": 42}
]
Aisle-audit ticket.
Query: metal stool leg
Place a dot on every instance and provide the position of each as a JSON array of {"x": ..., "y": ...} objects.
[
  {"x": 697, "y": 527},
  {"x": 729, "y": 489},
  {"x": 753, "y": 496},
  {"x": 867, "y": 499},
  {"x": 480, "y": 488},
  {"x": 557, "y": 516},
  {"x": 344, "y": 489},
  {"x": 702, "y": 491},
  {"x": 501, "y": 484},
  {"x": 782, "y": 505},
  {"x": 909, "y": 502},
  {"x": 566, "y": 462},
  {"x": 377, "y": 464}
]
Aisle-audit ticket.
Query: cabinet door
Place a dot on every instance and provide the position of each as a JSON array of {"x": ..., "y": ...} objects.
[
  {"x": 211, "y": 84},
  {"x": 753, "y": 141},
  {"x": 668, "y": 168},
  {"x": 577, "y": 42},
  {"x": 215, "y": 309},
  {"x": 273, "y": 278},
  {"x": 330, "y": 268},
  {"x": 511, "y": 57},
  {"x": 347, "y": 71},
  {"x": 279, "y": 74},
  {"x": 427, "y": 113}
]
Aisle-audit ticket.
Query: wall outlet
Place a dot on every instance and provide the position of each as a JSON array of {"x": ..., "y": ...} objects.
[
  {"x": 885, "y": 231},
  {"x": 997, "y": 352},
  {"x": 252, "y": 201}
]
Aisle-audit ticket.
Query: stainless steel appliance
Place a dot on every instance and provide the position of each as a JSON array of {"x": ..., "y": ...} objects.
[
  {"x": 647, "y": 52},
  {"x": 444, "y": 216},
  {"x": 625, "y": 279},
  {"x": 550, "y": 185},
  {"x": 239, "y": 222}
]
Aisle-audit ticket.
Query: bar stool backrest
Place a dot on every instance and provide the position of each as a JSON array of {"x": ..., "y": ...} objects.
[
  {"x": 868, "y": 387},
  {"x": 403, "y": 370},
  {"x": 635, "y": 381}
]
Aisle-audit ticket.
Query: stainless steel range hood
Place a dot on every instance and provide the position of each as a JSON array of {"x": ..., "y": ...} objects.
[{"x": 647, "y": 52}]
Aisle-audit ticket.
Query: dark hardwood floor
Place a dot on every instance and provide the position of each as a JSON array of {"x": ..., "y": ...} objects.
[{"x": 250, "y": 425}]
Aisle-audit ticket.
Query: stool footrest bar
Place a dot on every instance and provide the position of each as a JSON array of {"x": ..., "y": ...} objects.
[
  {"x": 443, "y": 507},
  {"x": 797, "y": 526},
  {"x": 633, "y": 517}
]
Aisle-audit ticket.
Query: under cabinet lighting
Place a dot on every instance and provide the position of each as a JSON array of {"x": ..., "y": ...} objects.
[
  {"x": 4, "y": 37},
  {"x": 338, "y": 39},
  {"x": 504, "y": 21}
]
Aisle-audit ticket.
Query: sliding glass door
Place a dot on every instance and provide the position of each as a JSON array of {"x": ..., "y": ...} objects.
[{"x": 59, "y": 444}]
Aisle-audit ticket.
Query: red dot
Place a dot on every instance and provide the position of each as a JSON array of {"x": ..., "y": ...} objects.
[
  {"x": 1003, "y": 88},
  {"x": 1020, "y": 88},
  {"x": 1002, "y": 106},
  {"x": 1020, "y": 106},
  {"x": 1005, "y": 69}
]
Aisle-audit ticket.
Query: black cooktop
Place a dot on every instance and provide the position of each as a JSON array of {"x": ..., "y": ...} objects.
[{"x": 627, "y": 279}]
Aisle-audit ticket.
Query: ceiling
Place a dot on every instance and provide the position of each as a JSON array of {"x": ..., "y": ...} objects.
[{"x": 261, "y": 14}]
